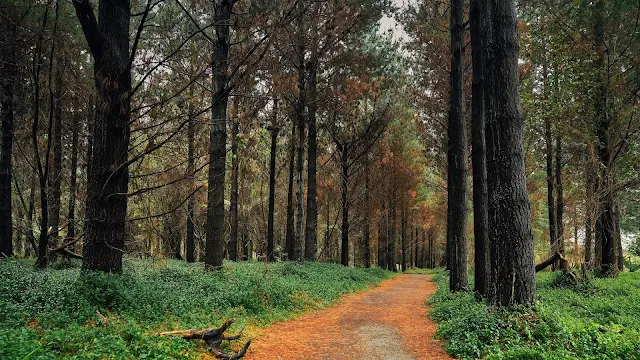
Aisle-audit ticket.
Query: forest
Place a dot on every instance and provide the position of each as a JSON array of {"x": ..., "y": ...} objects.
[{"x": 175, "y": 170}]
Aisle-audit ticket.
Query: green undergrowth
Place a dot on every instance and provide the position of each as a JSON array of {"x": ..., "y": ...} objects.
[
  {"x": 595, "y": 319},
  {"x": 59, "y": 313}
]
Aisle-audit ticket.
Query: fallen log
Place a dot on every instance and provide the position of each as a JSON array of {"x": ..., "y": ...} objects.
[{"x": 213, "y": 338}]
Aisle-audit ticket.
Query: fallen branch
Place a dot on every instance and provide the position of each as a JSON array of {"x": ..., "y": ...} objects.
[
  {"x": 213, "y": 338},
  {"x": 543, "y": 265},
  {"x": 62, "y": 249}
]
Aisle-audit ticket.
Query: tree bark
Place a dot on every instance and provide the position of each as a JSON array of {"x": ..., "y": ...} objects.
[
  {"x": 108, "y": 176},
  {"x": 478, "y": 144},
  {"x": 512, "y": 254},
  {"x": 366, "y": 236},
  {"x": 605, "y": 220},
  {"x": 298, "y": 246},
  {"x": 73, "y": 180},
  {"x": 272, "y": 182},
  {"x": 559, "y": 200},
  {"x": 233, "y": 209},
  {"x": 457, "y": 156},
  {"x": 214, "y": 252},
  {"x": 55, "y": 174},
  {"x": 403, "y": 235},
  {"x": 311, "y": 236},
  {"x": 391, "y": 249},
  {"x": 551, "y": 207},
  {"x": 383, "y": 235},
  {"x": 344, "y": 187},
  {"x": 7, "y": 82},
  {"x": 191, "y": 168},
  {"x": 290, "y": 231},
  {"x": 589, "y": 210}
]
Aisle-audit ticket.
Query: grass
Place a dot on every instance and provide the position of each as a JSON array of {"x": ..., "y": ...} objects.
[
  {"x": 597, "y": 319},
  {"x": 54, "y": 313}
]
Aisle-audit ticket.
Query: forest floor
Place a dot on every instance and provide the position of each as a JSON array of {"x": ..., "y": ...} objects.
[{"x": 390, "y": 322}]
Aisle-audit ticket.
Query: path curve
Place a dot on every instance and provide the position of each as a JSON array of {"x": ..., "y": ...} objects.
[{"x": 390, "y": 322}]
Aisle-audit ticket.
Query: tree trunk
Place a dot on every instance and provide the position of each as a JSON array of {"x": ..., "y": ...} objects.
[
  {"x": 605, "y": 220},
  {"x": 367, "y": 223},
  {"x": 6, "y": 146},
  {"x": 191, "y": 168},
  {"x": 233, "y": 210},
  {"x": 272, "y": 182},
  {"x": 311, "y": 236},
  {"x": 344, "y": 187},
  {"x": 73, "y": 180},
  {"x": 512, "y": 254},
  {"x": 382, "y": 236},
  {"x": 108, "y": 176},
  {"x": 589, "y": 210},
  {"x": 559, "y": 200},
  {"x": 618, "y": 236},
  {"x": 290, "y": 233},
  {"x": 214, "y": 252},
  {"x": 551, "y": 208},
  {"x": 391, "y": 250},
  {"x": 403, "y": 235},
  {"x": 298, "y": 246},
  {"x": 479, "y": 156},
  {"x": 55, "y": 174},
  {"x": 457, "y": 156}
]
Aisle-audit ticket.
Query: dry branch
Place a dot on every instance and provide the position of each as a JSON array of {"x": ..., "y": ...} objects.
[{"x": 213, "y": 337}]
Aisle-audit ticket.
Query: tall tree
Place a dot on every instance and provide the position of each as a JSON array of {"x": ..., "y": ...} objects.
[
  {"x": 272, "y": 182},
  {"x": 214, "y": 252},
  {"x": 457, "y": 156},
  {"x": 478, "y": 144},
  {"x": 512, "y": 257},
  {"x": 108, "y": 177}
]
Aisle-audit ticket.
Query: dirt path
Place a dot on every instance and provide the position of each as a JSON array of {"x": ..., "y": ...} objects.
[{"x": 387, "y": 323}]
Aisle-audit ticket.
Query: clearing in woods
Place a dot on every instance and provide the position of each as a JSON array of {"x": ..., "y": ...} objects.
[{"x": 390, "y": 322}]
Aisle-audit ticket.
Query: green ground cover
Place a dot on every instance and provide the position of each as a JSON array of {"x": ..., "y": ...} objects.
[
  {"x": 54, "y": 313},
  {"x": 596, "y": 319}
]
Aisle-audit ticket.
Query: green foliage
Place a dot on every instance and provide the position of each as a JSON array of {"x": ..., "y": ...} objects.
[
  {"x": 634, "y": 248},
  {"x": 61, "y": 313},
  {"x": 596, "y": 319}
]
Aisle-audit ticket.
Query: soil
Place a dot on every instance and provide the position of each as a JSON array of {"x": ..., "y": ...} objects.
[{"x": 390, "y": 322}]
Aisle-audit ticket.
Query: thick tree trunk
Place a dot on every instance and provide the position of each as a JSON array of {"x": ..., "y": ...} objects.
[
  {"x": 108, "y": 176},
  {"x": 214, "y": 252},
  {"x": 344, "y": 187},
  {"x": 6, "y": 146},
  {"x": 290, "y": 231},
  {"x": 618, "y": 236},
  {"x": 191, "y": 168},
  {"x": 55, "y": 174},
  {"x": 311, "y": 236},
  {"x": 233, "y": 209},
  {"x": 272, "y": 182},
  {"x": 479, "y": 156},
  {"x": 512, "y": 254},
  {"x": 457, "y": 157},
  {"x": 605, "y": 218},
  {"x": 73, "y": 180}
]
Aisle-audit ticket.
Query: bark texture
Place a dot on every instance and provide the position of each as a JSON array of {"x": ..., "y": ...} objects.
[
  {"x": 512, "y": 256},
  {"x": 457, "y": 216},
  {"x": 479, "y": 156},
  {"x": 214, "y": 252},
  {"x": 108, "y": 175}
]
